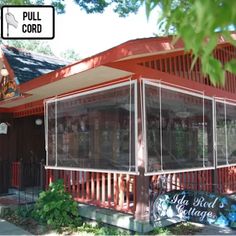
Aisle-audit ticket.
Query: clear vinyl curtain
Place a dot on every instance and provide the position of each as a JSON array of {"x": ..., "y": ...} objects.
[
  {"x": 93, "y": 130},
  {"x": 179, "y": 128}
]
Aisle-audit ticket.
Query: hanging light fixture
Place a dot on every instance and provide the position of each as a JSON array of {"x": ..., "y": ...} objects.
[
  {"x": 38, "y": 121},
  {"x": 4, "y": 72}
]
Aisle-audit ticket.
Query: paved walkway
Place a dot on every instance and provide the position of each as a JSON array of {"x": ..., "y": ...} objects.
[
  {"x": 7, "y": 228},
  {"x": 214, "y": 230}
]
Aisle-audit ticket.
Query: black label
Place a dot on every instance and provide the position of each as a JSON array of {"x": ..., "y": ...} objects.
[{"x": 201, "y": 207}]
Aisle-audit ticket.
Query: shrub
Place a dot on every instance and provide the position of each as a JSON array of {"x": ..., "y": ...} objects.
[
  {"x": 56, "y": 207},
  {"x": 25, "y": 211}
]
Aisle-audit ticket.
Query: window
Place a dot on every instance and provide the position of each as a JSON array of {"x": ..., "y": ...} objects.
[
  {"x": 179, "y": 129},
  {"x": 93, "y": 130},
  {"x": 226, "y": 133}
]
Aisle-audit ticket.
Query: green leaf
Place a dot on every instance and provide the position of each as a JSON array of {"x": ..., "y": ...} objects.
[
  {"x": 149, "y": 6},
  {"x": 56, "y": 207},
  {"x": 215, "y": 71},
  {"x": 231, "y": 66},
  {"x": 210, "y": 45},
  {"x": 193, "y": 62}
]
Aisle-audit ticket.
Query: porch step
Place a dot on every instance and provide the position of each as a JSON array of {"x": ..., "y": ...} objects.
[
  {"x": 9, "y": 202},
  {"x": 28, "y": 195},
  {"x": 121, "y": 220}
]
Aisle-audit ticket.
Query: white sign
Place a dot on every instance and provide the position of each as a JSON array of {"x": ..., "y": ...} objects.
[
  {"x": 27, "y": 22},
  {"x": 3, "y": 128}
]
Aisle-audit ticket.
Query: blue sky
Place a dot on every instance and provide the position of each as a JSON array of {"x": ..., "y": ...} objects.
[{"x": 89, "y": 34}]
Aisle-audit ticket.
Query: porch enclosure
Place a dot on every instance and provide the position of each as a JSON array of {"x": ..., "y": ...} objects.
[
  {"x": 179, "y": 141},
  {"x": 165, "y": 128},
  {"x": 102, "y": 142}
]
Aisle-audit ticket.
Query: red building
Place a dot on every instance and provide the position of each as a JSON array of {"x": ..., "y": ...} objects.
[{"x": 117, "y": 121}]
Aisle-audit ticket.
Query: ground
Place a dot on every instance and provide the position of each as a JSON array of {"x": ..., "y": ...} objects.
[{"x": 94, "y": 228}]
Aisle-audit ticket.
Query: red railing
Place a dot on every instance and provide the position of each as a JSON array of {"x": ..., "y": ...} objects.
[
  {"x": 194, "y": 180},
  {"x": 226, "y": 179},
  {"x": 4, "y": 176},
  {"x": 27, "y": 174},
  {"x": 220, "y": 181},
  {"x": 118, "y": 191},
  {"x": 15, "y": 176},
  {"x": 109, "y": 190}
]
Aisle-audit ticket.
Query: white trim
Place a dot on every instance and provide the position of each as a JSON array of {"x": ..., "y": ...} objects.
[
  {"x": 224, "y": 102},
  {"x": 144, "y": 128},
  {"x": 160, "y": 114},
  {"x": 214, "y": 133},
  {"x": 203, "y": 131},
  {"x": 172, "y": 85},
  {"x": 227, "y": 100},
  {"x": 96, "y": 90},
  {"x": 130, "y": 125},
  {"x": 136, "y": 124},
  {"x": 91, "y": 170},
  {"x": 56, "y": 138},
  {"x": 46, "y": 130},
  {"x": 225, "y": 165},
  {"x": 226, "y": 136},
  {"x": 159, "y": 83},
  {"x": 177, "y": 171}
]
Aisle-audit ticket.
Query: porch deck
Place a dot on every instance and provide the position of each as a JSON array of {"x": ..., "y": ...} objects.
[{"x": 15, "y": 198}]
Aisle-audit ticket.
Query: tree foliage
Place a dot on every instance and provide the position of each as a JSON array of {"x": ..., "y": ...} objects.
[
  {"x": 194, "y": 21},
  {"x": 32, "y": 45},
  {"x": 70, "y": 54},
  {"x": 44, "y": 48},
  {"x": 58, "y": 4},
  {"x": 122, "y": 7}
]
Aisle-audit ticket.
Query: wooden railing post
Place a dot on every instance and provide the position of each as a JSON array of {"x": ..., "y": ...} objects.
[
  {"x": 20, "y": 174},
  {"x": 56, "y": 175},
  {"x": 4, "y": 176},
  {"x": 42, "y": 174},
  {"x": 142, "y": 181}
]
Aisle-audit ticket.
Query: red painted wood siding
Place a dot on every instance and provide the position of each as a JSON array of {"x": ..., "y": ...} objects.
[{"x": 180, "y": 65}]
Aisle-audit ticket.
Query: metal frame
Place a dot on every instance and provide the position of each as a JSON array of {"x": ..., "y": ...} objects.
[
  {"x": 46, "y": 126},
  {"x": 107, "y": 88},
  {"x": 225, "y": 102},
  {"x": 214, "y": 133},
  {"x": 46, "y": 130},
  {"x": 158, "y": 83}
]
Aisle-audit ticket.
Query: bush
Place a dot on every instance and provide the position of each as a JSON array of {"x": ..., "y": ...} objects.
[
  {"x": 56, "y": 207},
  {"x": 25, "y": 211}
]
